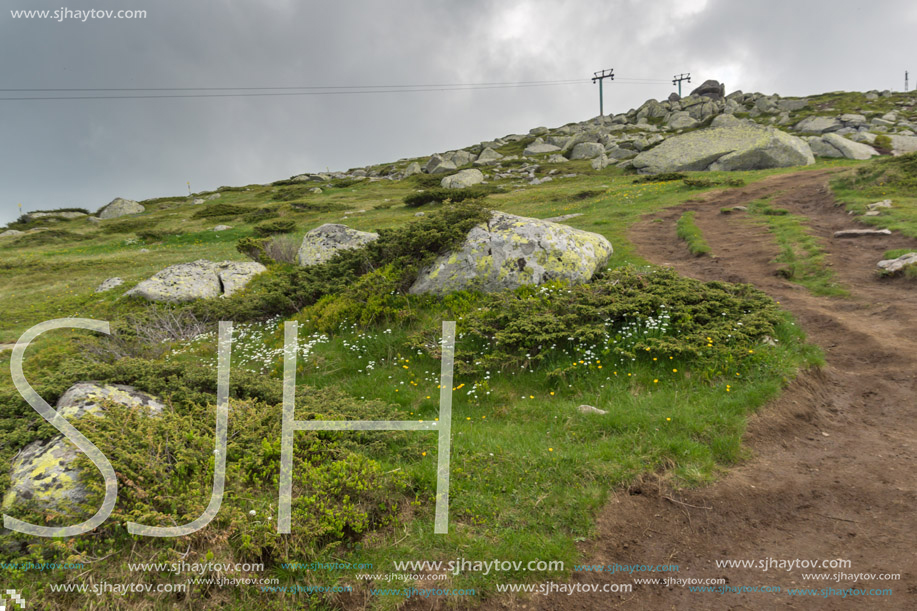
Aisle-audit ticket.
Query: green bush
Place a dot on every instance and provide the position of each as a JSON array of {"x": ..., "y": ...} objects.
[
  {"x": 297, "y": 191},
  {"x": 626, "y": 314},
  {"x": 156, "y": 235},
  {"x": 286, "y": 289},
  {"x": 439, "y": 195},
  {"x": 425, "y": 181},
  {"x": 130, "y": 226},
  {"x": 50, "y": 236},
  {"x": 274, "y": 227},
  {"x": 664, "y": 177},
  {"x": 320, "y": 206},
  {"x": 261, "y": 214},
  {"x": 883, "y": 142},
  {"x": 217, "y": 210}
]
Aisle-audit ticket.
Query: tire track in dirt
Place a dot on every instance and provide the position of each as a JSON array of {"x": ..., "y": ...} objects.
[{"x": 832, "y": 473}]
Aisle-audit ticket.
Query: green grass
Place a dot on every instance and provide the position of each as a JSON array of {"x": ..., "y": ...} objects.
[
  {"x": 529, "y": 471},
  {"x": 801, "y": 256},
  {"x": 688, "y": 231},
  {"x": 893, "y": 178}
]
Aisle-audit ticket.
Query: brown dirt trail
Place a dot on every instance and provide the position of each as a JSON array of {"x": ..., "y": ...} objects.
[{"x": 832, "y": 473}]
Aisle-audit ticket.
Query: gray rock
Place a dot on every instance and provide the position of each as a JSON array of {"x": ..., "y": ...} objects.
[
  {"x": 322, "y": 243},
  {"x": 222, "y": 227},
  {"x": 859, "y": 233},
  {"x": 556, "y": 159},
  {"x": 201, "y": 279},
  {"x": 45, "y": 472},
  {"x": 852, "y": 118},
  {"x": 538, "y": 131},
  {"x": 197, "y": 201},
  {"x": 894, "y": 266},
  {"x": 109, "y": 284},
  {"x": 711, "y": 89},
  {"x": 681, "y": 120},
  {"x": 235, "y": 275},
  {"x": 488, "y": 157},
  {"x": 818, "y": 125},
  {"x": 459, "y": 158},
  {"x": 316, "y": 190},
  {"x": 885, "y": 203},
  {"x": 120, "y": 207},
  {"x": 725, "y": 121},
  {"x": 792, "y": 105},
  {"x": 413, "y": 168},
  {"x": 462, "y": 180},
  {"x": 849, "y": 148},
  {"x": 820, "y": 148},
  {"x": 443, "y": 167},
  {"x": 9, "y": 233},
  {"x": 904, "y": 144},
  {"x": 94, "y": 219},
  {"x": 509, "y": 251},
  {"x": 587, "y": 150},
  {"x": 588, "y": 409},
  {"x": 703, "y": 111},
  {"x": 742, "y": 146},
  {"x": 539, "y": 147},
  {"x": 213, "y": 196},
  {"x": 600, "y": 163},
  {"x": 620, "y": 153},
  {"x": 31, "y": 216}
]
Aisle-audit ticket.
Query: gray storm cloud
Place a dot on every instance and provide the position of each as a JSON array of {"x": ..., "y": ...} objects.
[{"x": 85, "y": 152}]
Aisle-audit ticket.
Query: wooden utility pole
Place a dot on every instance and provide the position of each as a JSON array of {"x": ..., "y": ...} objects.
[
  {"x": 678, "y": 78},
  {"x": 600, "y": 76}
]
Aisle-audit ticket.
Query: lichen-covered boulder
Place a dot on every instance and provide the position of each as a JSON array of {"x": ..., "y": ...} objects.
[
  {"x": 509, "y": 251},
  {"x": 120, "y": 207},
  {"x": 235, "y": 275},
  {"x": 45, "y": 472},
  {"x": 323, "y": 242},
  {"x": 741, "y": 145},
  {"x": 200, "y": 279},
  {"x": 463, "y": 179}
]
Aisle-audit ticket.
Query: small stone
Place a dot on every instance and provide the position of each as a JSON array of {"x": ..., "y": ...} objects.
[
  {"x": 858, "y": 233},
  {"x": 588, "y": 409}
]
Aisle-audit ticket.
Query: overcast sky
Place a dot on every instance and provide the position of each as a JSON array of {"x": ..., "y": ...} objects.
[{"x": 56, "y": 153}]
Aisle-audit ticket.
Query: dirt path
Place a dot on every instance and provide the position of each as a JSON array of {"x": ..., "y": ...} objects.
[{"x": 832, "y": 473}]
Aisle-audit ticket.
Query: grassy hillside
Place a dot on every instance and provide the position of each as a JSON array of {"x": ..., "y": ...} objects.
[{"x": 676, "y": 364}]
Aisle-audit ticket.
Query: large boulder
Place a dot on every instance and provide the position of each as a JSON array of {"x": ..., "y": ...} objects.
[
  {"x": 711, "y": 89},
  {"x": 488, "y": 157},
  {"x": 463, "y": 179},
  {"x": 849, "y": 148},
  {"x": 44, "y": 472},
  {"x": 200, "y": 279},
  {"x": 120, "y": 207},
  {"x": 9, "y": 233},
  {"x": 587, "y": 150},
  {"x": 323, "y": 242},
  {"x": 904, "y": 144},
  {"x": 509, "y": 251},
  {"x": 818, "y": 125},
  {"x": 538, "y": 147},
  {"x": 741, "y": 145},
  {"x": 681, "y": 120}
]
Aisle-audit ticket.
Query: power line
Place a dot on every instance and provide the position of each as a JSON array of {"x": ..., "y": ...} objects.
[
  {"x": 286, "y": 91},
  {"x": 309, "y": 87},
  {"x": 283, "y": 93}
]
